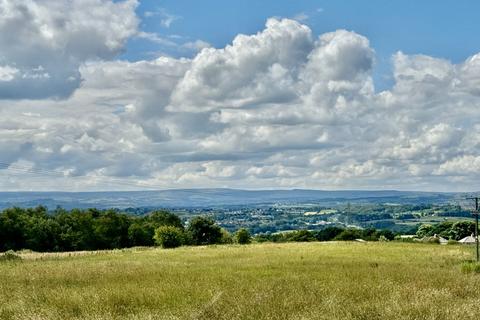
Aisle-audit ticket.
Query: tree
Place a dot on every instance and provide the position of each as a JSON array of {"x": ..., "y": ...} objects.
[
  {"x": 111, "y": 230},
  {"x": 462, "y": 229},
  {"x": 204, "y": 230},
  {"x": 425, "y": 230},
  {"x": 387, "y": 234},
  {"x": 76, "y": 230},
  {"x": 349, "y": 234},
  {"x": 12, "y": 229},
  {"x": 165, "y": 218},
  {"x": 443, "y": 229},
  {"x": 300, "y": 236},
  {"x": 328, "y": 233},
  {"x": 243, "y": 236},
  {"x": 168, "y": 237},
  {"x": 140, "y": 233}
]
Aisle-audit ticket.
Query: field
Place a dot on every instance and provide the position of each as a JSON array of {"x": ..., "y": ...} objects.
[{"x": 260, "y": 281}]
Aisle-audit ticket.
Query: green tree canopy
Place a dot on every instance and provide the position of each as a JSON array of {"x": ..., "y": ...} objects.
[
  {"x": 168, "y": 237},
  {"x": 243, "y": 236},
  {"x": 204, "y": 230},
  {"x": 425, "y": 230},
  {"x": 165, "y": 218}
]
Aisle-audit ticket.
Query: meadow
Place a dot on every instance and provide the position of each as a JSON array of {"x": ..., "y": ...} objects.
[{"x": 332, "y": 280}]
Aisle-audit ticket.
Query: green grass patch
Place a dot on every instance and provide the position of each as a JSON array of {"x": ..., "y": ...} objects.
[
  {"x": 471, "y": 267},
  {"x": 260, "y": 281}
]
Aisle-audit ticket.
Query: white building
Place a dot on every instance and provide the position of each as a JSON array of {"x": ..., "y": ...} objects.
[{"x": 468, "y": 240}]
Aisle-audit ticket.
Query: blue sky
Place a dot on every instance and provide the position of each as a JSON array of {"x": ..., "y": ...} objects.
[{"x": 447, "y": 29}]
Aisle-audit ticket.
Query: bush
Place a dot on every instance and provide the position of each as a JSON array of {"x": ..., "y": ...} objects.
[
  {"x": 387, "y": 234},
  {"x": 243, "y": 236},
  {"x": 10, "y": 255},
  {"x": 382, "y": 238},
  {"x": 226, "y": 237},
  {"x": 300, "y": 236},
  {"x": 204, "y": 230},
  {"x": 328, "y": 233},
  {"x": 168, "y": 237},
  {"x": 349, "y": 235}
]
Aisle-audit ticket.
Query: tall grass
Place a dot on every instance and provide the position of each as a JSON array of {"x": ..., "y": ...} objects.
[{"x": 261, "y": 281}]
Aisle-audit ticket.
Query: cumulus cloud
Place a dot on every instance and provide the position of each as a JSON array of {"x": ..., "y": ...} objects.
[
  {"x": 280, "y": 108},
  {"x": 252, "y": 70},
  {"x": 44, "y": 42}
]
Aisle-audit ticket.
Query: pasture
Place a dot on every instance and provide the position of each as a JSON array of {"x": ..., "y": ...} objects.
[{"x": 332, "y": 280}]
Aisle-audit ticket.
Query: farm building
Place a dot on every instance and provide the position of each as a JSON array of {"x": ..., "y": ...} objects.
[{"x": 468, "y": 240}]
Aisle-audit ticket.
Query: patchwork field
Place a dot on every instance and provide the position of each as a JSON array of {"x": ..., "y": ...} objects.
[{"x": 260, "y": 281}]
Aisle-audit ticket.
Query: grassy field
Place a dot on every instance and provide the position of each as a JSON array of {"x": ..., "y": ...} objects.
[{"x": 261, "y": 281}]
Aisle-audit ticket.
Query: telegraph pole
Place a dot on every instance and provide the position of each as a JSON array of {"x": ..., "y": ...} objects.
[{"x": 475, "y": 213}]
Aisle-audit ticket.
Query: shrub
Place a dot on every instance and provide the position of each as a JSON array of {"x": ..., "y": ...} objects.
[
  {"x": 300, "y": 236},
  {"x": 349, "y": 235},
  {"x": 243, "y": 236},
  {"x": 226, "y": 237},
  {"x": 10, "y": 255},
  {"x": 204, "y": 230},
  {"x": 168, "y": 236},
  {"x": 387, "y": 234},
  {"x": 328, "y": 233},
  {"x": 382, "y": 238}
]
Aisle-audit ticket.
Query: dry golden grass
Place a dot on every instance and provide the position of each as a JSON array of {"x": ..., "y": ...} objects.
[{"x": 261, "y": 281}]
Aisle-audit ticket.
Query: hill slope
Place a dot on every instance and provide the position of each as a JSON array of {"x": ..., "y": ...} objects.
[{"x": 211, "y": 198}]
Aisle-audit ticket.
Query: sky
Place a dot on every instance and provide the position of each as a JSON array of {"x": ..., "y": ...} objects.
[{"x": 131, "y": 95}]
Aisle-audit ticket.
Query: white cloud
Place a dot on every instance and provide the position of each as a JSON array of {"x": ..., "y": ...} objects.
[
  {"x": 166, "y": 18},
  {"x": 280, "y": 108},
  {"x": 58, "y": 36},
  {"x": 169, "y": 43},
  {"x": 253, "y": 70},
  {"x": 196, "y": 45},
  {"x": 7, "y": 73},
  {"x": 460, "y": 166},
  {"x": 301, "y": 17}
]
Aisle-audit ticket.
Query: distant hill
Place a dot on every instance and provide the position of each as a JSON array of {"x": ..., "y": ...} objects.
[{"x": 190, "y": 198}]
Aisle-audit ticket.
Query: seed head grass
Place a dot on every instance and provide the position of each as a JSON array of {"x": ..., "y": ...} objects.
[{"x": 259, "y": 281}]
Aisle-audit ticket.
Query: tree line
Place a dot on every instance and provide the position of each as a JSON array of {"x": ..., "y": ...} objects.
[
  {"x": 327, "y": 234},
  {"x": 452, "y": 230},
  {"x": 92, "y": 229},
  {"x": 38, "y": 229}
]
